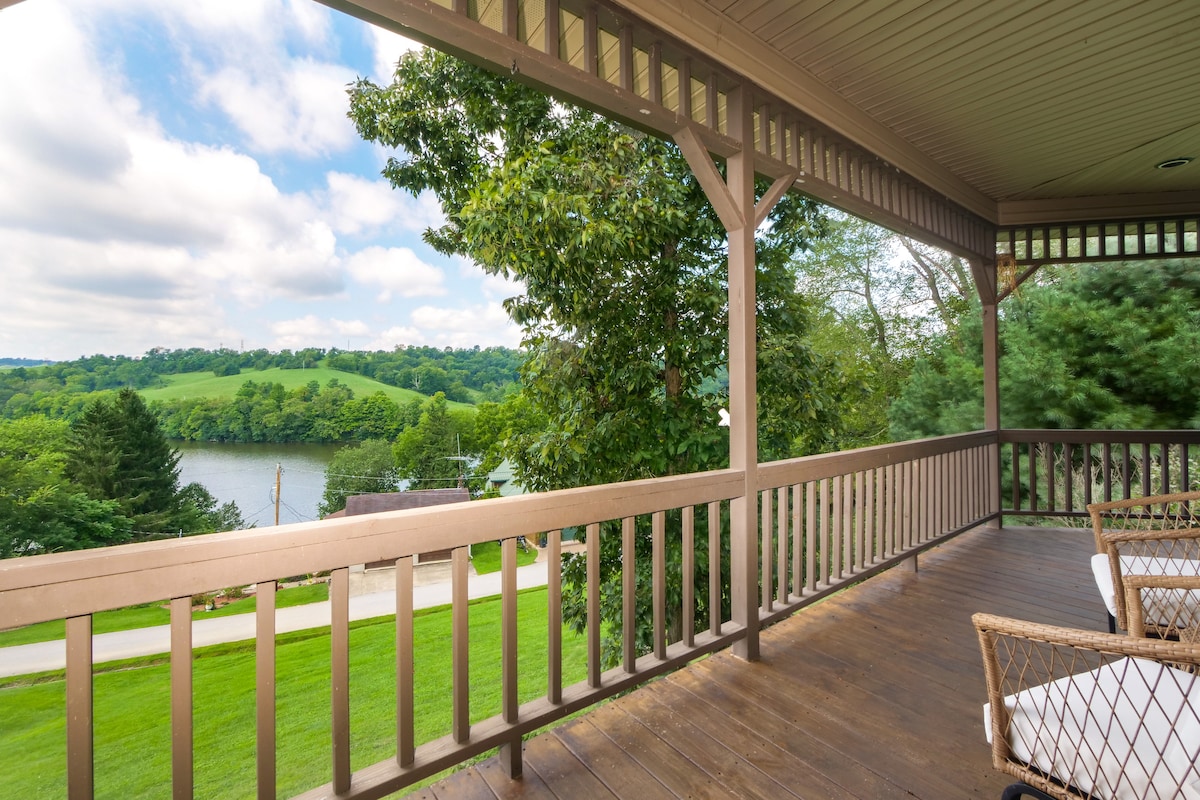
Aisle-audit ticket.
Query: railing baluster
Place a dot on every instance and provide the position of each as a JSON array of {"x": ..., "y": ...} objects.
[
  {"x": 1068, "y": 477},
  {"x": 593, "y": 604},
  {"x": 1033, "y": 492},
  {"x": 264, "y": 688},
  {"x": 860, "y": 519},
  {"x": 658, "y": 568},
  {"x": 1087, "y": 474},
  {"x": 1051, "y": 473},
  {"x": 1106, "y": 454},
  {"x": 689, "y": 576},
  {"x": 554, "y": 622},
  {"x": 781, "y": 543},
  {"x": 889, "y": 536},
  {"x": 460, "y": 646},
  {"x": 877, "y": 500},
  {"x": 406, "y": 741},
  {"x": 1126, "y": 471},
  {"x": 811, "y": 535},
  {"x": 848, "y": 523},
  {"x": 181, "y": 698},
  {"x": 714, "y": 568},
  {"x": 1164, "y": 454},
  {"x": 1016, "y": 476},
  {"x": 824, "y": 560},
  {"x": 339, "y": 668},
  {"x": 508, "y": 629},
  {"x": 80, "y": 756},
  {"x": 835, "y": 511},
  {"x": 1146, "y": 490},
  {"x": 797, "y": 541},
  {"x": 629, "y": 593},
  {"x": 510, "y": 754},
  {"x": 766, "y": 521},
  {"x": 1185, "y": 484}
]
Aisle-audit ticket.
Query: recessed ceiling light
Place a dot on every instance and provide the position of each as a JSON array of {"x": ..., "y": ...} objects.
[{"x": 1172, "y": 163}]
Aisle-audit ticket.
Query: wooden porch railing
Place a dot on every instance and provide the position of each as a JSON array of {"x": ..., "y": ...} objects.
[
  {"x": 1059, "y": 472},
  {"x": 835, "y": 519},
  {"x": 826, "y": 521}
]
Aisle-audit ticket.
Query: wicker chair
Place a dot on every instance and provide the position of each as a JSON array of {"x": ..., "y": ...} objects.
[
  {"x": 1081, "y": 714},
  {"x": 1152, "y": 535},
  {"x": 1166, "y": 606}
]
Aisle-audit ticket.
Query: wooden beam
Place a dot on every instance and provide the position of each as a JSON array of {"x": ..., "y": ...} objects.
[
  {"x": 710, "y": 179},
  {"x": 768, "y": 201}
]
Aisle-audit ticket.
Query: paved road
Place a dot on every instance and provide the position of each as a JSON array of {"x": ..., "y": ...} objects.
[{"x": 42, "y": 656}]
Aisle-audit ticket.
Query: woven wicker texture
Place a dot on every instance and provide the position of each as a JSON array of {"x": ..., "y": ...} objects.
[
  {"x": 1152, "y": 535},
  {"x": 1079, "y": 714}
]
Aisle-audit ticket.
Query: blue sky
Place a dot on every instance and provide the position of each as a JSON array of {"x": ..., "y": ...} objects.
[{"x": 183, "y": 174}]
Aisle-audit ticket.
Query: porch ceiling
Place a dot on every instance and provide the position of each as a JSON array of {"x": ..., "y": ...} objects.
[{"x": 1051, "y": 109}]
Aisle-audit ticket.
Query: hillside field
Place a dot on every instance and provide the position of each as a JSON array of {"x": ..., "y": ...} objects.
[{"x": 190, "y": 385}]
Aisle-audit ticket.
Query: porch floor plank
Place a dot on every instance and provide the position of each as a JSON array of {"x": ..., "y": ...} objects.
[{"x": 874, "y": 693}]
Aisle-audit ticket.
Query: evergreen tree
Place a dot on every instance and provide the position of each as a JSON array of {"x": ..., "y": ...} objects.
[{"x": 117, "y": 452}]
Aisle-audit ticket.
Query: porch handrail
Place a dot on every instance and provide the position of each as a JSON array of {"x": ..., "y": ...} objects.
[
  {"x": 830, "y": 520},
  {"x": 1057, "y": 473},
  {"x": 61, "y": 585}
]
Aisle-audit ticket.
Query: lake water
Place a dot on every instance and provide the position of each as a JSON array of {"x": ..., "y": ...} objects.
[{"x": 245, "y": 474}]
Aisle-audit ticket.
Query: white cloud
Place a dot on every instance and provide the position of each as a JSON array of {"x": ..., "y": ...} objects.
[
  {"x": 313, "y": 331},
  {"x": 397, "y": 336},
  {"x": 126, "y": 215},
  {"x": 388, "y": 47},
  {"x": 464, "y": 327},
  {"x": 117, "y": 236},
  {"x": 398, "y": 271},
  {"x": 360, "y": 205},
  {"x": 298, "y": 108}
]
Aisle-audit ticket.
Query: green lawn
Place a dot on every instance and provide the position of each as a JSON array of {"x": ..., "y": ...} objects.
[
  {"x": 124, "y": 619},
  {"x": 205, "y": 384},
  {"x": 132, "y": 706},
  {"x": 485, "y": 557}
]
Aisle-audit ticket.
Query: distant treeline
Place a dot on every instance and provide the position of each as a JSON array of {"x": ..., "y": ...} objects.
[
  {"x": 63, "y": 389},
  {"x": 24, "y": 362},
  {"x": 266, "y": 412}
]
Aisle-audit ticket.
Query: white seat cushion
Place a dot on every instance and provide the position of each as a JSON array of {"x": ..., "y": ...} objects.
[
  {"x": 1103, "y": 731},
  {"x": 1137, "y": 565}
]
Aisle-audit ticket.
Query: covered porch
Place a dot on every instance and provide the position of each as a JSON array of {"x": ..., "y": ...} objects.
[
  {"x": 875, "y": 689},
  {"x": 873, "y": 693}
]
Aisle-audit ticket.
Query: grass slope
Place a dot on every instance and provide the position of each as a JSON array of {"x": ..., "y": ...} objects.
[
  {"x": 192, "y": 385},
  {"x": 132, "y": 706}
]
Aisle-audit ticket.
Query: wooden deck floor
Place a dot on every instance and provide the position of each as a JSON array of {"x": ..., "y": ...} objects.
[{"x": 875, "y": 693}]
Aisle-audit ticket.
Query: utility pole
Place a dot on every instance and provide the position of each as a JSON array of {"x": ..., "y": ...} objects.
[{"x": 278, "y": 481}]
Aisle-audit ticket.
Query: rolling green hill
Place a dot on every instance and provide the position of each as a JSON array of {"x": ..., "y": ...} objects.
[{"x": 204, "y": 384}]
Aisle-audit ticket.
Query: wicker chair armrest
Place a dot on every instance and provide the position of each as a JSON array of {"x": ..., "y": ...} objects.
[
  {"x": 1045, "y": 681},
  {"x": 1167, "y": 606}
]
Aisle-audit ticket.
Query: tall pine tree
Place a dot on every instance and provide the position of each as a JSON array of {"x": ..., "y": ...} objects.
[{"x": 117, "y": 452}]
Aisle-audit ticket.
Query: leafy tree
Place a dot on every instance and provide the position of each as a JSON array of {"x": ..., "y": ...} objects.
[
  {"x": 883, "y": 302},
  {"x": 623, "y": 264},
  {"x": 427, "y": 454},
  {"x": 208, "y": 516},
  {"x": 364, "y": 468},
  {"x": 40, "y": 512},
  {"x": 1099, "y": 346}
]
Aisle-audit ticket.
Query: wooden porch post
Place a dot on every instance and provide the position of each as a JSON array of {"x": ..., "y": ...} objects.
[
  {"x": 733, "y": 200},
  {"x": 743, "y": 383},
  {"x": 985, "y": 284}
]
